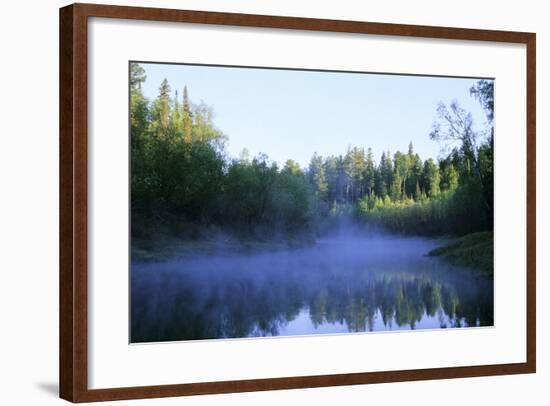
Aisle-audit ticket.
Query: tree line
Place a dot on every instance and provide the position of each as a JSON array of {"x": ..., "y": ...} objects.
[
  {"x": 454, "y": 196},
  {"x": 405, "y": 193},
  {"x": 183, "y": 182}
]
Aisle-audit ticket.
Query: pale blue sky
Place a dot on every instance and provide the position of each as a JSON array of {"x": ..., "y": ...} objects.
[{"x": 292, "y": 114}]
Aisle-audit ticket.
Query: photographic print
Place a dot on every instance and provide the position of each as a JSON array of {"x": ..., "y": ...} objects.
[{"x": 289, "y": 202}]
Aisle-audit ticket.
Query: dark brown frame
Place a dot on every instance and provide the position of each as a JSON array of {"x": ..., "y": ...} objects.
[{"x": 73, "y": 362}]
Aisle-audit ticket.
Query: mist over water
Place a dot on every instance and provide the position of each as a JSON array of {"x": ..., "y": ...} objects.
[{"x": 349, "y": 283}]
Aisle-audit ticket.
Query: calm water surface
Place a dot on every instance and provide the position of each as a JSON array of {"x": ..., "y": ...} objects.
[{"x": 339, "y": 285}]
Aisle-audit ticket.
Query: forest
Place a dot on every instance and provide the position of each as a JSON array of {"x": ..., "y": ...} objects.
[{"x": 184, "y": 185}]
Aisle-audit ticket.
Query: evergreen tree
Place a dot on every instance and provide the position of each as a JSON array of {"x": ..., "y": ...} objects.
[
  {"x": 139, "y": 110},
  {"x": 387, "y": 169},
  {"x": 176, "y": 116},
  {"x": 380, "y": 187},
  {"x": 369, "y": 173},
  {"x": 137, "y": 77},
  {"x": 415, "y": 176},
  {"x": 431, "y": 178},
  {"x": 349, "y": 172},
  {"x": 401, "y": 164},
  {"x": 162, "y": 107},
  {"x": 317, "y": 176},
  {"x": 358, "y": 172},
  {"x": 410, "y": 151},
  {"x": 182, "y": 179},
  {"x": 449, "y": 176},
  {"x": 187, "y": 116}
]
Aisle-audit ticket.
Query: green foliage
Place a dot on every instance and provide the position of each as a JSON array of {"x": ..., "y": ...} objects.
[
  {"x": 183, "y": 184},
  {"x": 317, "y": 176},
  {"x": 473, "y": 250},
  {"x": 449, "y": 213},
  {"x": 260, "y": 200},
  {"x": 483, "y": 91},
  {"x": 161, "y": 111},
  {"x": 449, "y": 176},
  {"x": 431, "y": 178},
  {"x": 454, "y": 197}
]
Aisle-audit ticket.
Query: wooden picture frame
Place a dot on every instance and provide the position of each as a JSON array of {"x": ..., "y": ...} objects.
[{"x": 73, "y": 209}]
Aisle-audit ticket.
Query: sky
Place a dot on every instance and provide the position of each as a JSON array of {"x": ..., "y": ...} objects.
[{"x": 289, "y": 114}]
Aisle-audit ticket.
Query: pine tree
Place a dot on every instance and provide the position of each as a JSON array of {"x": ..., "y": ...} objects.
[
  {"x": 369, "y": 172},
  {"x": 176, "y": 119},
  {"x": 358, "y": 173},
  {"x": 187, "y": 117},
  {"x": 139, "y": 106},
  {"x": 317, "y": 176},
  {"x": 402, "y": 165},
  {"x": 449, "y": 176},
  {"x": 348, "y": 171},
  {"x": 381, "y": 185},
  {"x": 387, "y": 170},
  {"x": 164, "y": 104},
  {"x": 414, "y": 176},
  {"x": 137, "y": 76}
]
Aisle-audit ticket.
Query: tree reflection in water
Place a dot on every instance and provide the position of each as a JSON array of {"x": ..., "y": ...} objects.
[{"x": 342, "y": 286}]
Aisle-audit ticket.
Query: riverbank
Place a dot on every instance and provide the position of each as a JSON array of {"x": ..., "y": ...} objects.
[
  {"x": 472, "y": 250},
  {"x": 165, "y": 247}
]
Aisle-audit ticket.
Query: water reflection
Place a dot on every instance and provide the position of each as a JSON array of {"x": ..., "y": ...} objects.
[{"x": 340, "y": 285}]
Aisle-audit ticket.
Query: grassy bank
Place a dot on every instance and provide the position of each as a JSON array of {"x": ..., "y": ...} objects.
[
  {"x": 167, "y": 247},
  {"x": 472, "y": 250}
]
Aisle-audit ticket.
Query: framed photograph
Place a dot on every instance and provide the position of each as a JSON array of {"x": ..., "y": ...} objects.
[{"x": 255, "y": 202}]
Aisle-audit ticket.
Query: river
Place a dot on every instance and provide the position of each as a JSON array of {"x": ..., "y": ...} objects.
[{"x": 339, "y": 285}]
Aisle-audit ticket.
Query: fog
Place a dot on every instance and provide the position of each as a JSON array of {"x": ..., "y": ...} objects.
[{"x": 354, "y": 281}]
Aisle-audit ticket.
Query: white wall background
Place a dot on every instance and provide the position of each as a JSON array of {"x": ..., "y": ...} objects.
[{"x": 29, "y": 193}]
